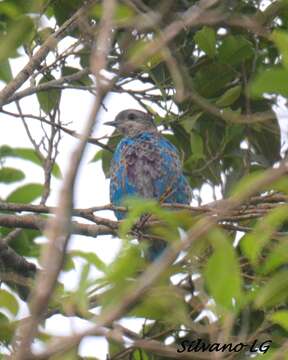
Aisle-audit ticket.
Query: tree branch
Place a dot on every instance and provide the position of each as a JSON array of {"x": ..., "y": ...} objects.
[
  {"x": 59, "y": 228},
  {"x": 154, "y": 271},
  {"x": 41, "y": 54}
]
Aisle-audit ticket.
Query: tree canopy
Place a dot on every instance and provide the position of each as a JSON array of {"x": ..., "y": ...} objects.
[{"x": 211, "y": 73}]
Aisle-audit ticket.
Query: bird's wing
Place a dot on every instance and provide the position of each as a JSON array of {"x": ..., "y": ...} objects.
[{"x": 151, "y": 165}]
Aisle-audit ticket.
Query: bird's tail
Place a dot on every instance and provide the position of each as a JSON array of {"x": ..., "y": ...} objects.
[{"x": 155, "y": 249}]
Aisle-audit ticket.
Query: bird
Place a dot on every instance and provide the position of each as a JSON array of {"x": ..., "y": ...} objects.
[{"x": 145, "y": 164}]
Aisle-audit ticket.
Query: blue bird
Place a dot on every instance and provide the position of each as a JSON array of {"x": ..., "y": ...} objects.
[{"x": 147, "y": 165}]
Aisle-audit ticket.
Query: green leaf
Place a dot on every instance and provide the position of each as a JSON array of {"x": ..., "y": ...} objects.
[
  {"x": 64, "y": 9},
  {"x": 26, "y": 154},
  {"x": 140, "y": 354},
  {"x": 17, "y": 33},
  {"x": 272, "y": 81},
  {"x": 211, "y": 78},
  {"x": 85, "y": 80},
  {"x": 119, "y": 274},
  {"x": 68, "y": 263},
  {"x": 206, "y": 40},
  {"x": 82, "y": 299},
  {"x": 253, "y": 243},
  {"x": 9, "y": 175},
  {"x": 98, "y": 156},
  {"x": 107, "y": 155},
  {"x": 24, "y": 243},
  {"x": 48, "y": 99},
  {"x": 115, "y": 348},
  {"x": 222, "y": 272},
  {"x": 5, "y": 71},
  {"x": 235, "y": 49},
  {"x": 126, "y": 264},
  {"x": 280, "y": 38},
  {"x": 26, "y": 193},
  {"x": 123, "y": 13},
  {"x": 7, "y": 329},
  {"x": 44, "y": 34},
  {"x": 9, "y": 302},
  {"x": 197, "y": 146},
  {"x": 281, "y": 318},
  {"x": 277, "y": 257},
  {"x": 91, "y": 258},
  {"x": 244, "y": 185},
  {"x": 229, "y": 97},
  {"x": 162, "y": 303},
  {"x": 9, "y": 9},
  {"x": 274, "y": 292}
]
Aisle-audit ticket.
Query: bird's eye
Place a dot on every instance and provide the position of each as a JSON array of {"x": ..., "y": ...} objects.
[{"x": 131, "y": 116}]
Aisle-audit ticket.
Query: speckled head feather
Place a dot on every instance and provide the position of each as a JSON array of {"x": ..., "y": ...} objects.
[{"x": 132, "y": 122}]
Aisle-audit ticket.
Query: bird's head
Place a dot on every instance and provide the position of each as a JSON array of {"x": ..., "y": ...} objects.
[{"x": 133, "y": 122}]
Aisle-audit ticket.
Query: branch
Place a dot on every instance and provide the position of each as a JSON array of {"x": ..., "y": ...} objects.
[
  {"x": 59, "y": 228},
  {"x": 60, "y": 127},
  {"x": 35, "y": 222},
  {"x": 154, "y": 271},
  {"x": 230, "y": 116},
  {"x": 16, "y": 270},
  {"x": 196, "y": 15},
  {"x": 47, "y": 85},
  {"x": 41, "y": 54}
]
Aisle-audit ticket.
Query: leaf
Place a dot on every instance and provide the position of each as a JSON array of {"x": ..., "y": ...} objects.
[
  {"x": 44, "y": 34},
  {"x": 119, "y": 274},
  {"x": 68, "y": 263},
  {"x": 235, "y": 49},
  {"x": 7, "y": 329},
  {"x": 253, "y": 243},
  {"x": 91, "y": 258},
  {"x": 26, "y": 154},
  {"x": 106, "y": 155},
  {"x": 281, "y": 318},
  {"x": 229, "y": 97},
  {"x": 266, "y": 141},
  {"x": 274, "y": 292},
  {"x": 64, "y": 9},
  {"x": 210, "y": 79},
  {"x": 123, "y": 13},
  {"x": 17, "y": 33},
  {"x": 48, "y": 99},
  {"x": 280, "y": 38},
  {"x": 197, "y": 146},
  {"x": 9, "y": 175},
  {"x": 85, "y": 80},
  {"x": 140, "y": 354},
  {"x": 98, "y": 156},
  {"x": 5, "y": 71},
  {"x": 9, "y": 302},
  {"x": 164, "y": 303},
  {"x": 222, "y": 272},
  {"x": 272, "y": 81},
  {"x": 244, "y": 185},
  {"x": 206, "y": 40},
  {"x": 26, "y": 193},
  {"x": 24, "y": 243},
  {"x": 82, "y": 299},
  {"x": 277, "y": 257},
  {"x": 115, "y": 348},
  {"x": 125, "y": 265}
]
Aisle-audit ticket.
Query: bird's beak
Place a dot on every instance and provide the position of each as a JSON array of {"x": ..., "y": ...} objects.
[{"x": 111, "y": 123}]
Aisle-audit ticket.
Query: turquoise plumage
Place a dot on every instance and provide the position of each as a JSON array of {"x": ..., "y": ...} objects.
[{"x": 145, "y": 164}]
